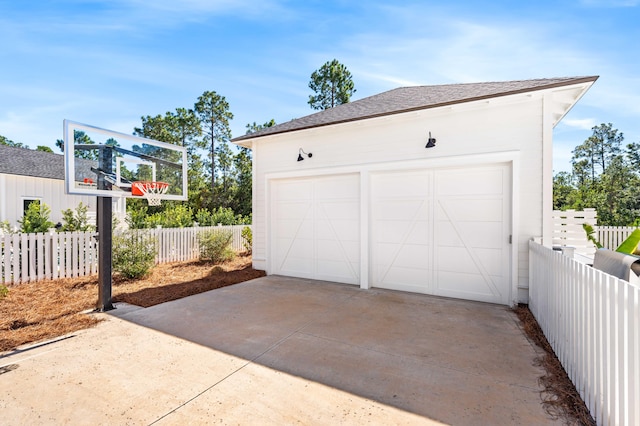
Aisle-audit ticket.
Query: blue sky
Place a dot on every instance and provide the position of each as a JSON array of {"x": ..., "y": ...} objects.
[{"x": 107, "y": 63}]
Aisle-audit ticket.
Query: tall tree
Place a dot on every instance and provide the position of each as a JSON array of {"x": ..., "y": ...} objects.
[
  {"x": 224, "y": 191},
  {"x": 633, "y": 156},
  {"x": 332, "y": 85},
  {"x": 600, "y": 149},
  {"x": 213, "y": 111},
  {"x": 606, "y": 141},
  {"x": 187, "y": 126}
]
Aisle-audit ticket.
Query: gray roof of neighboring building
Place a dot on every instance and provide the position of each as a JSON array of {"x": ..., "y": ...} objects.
[
  {"x": 27, "y": 162},
  {"x": 405, "y": 99}
]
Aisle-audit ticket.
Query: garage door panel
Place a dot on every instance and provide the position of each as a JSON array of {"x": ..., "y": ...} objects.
[
  {"x": 394, "y": 185},
  {"x": 478, "y": 182},
  {"x": 390, "y": 209},
  {"x": 454, "y": 259},
  {"x": 330, "y": 250},
  {"x": 391, "y": 232},
  {"x": 338, "y": 230},
  {"x": 482, "y": 210},
  {"x": 293, "y": 191},
  {"x": 475, "y": 234},
  {"x": 411, "y": 255},
  {"x": 492, "y": 260},
  {"x": 293, "y": 210},
  {"x": 466, "y": 286},
  {"x": 351, "y": 250},
  {"x": 287, "y": 229},
  {"x": 296, "y": 264},
  {"x": 292, "y": 229},
  {"x": 342, "y": 210},
  {"x": 416, "y": 277},
  {"x": 344, "y": 228},
  {"x": 447, "y": 236},
  {"x": 455, "y": 244},
  {"x": 335, "y": 188},
  {"x": 337, "y": 271},
  {"x": 385, "y": 253},
  {"x": 318, "y": 237},
  {"x": 300, "y": 247},
  {"x": 420, "y": 233}
]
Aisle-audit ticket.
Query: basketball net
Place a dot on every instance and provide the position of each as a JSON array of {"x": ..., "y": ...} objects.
[{"x": 152, "y": 191}]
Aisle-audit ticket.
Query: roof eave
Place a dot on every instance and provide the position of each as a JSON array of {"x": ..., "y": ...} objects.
[{"x": 586, "y": 85}]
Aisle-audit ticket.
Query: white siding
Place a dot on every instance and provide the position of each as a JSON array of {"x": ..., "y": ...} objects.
[
  {"x": 14, "y": 189},
  {"x": 501, "y": 125}
]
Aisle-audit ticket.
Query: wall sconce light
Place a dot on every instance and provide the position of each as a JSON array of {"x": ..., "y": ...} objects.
[
  {"x": 300, "y": 152},
  {"x": 431, "y": 142}
]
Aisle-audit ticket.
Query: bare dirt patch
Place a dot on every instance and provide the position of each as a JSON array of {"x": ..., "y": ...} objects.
[{"x": 46, "y": 309}]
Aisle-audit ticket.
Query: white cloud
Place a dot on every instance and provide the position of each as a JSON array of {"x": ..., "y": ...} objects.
[{"x": 579, "y": 123}]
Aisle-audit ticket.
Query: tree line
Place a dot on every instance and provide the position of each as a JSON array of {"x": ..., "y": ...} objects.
[
  {"x": 219, "y": 176},
  {"x": 605, "y": 175}
]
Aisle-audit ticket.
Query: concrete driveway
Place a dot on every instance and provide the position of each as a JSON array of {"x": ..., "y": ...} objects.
[{"x": 280, "y": 350}]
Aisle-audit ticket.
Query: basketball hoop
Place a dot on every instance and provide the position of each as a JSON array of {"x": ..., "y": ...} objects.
[{"x": 152, "y": 191}]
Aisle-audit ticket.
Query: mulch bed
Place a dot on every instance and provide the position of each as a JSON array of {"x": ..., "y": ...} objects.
[{"x": 560, "y": 398}]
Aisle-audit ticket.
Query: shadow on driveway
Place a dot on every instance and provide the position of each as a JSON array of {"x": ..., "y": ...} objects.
[{"x": 452, "y": 361}]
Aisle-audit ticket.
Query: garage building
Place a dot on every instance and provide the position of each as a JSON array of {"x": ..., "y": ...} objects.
[{"x": 428, "y": 189}]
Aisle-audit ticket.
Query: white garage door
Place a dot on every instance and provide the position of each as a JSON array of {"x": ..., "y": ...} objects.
[
  {"x": 315, "y": 225},
  {"x": 443, "y": 232}
]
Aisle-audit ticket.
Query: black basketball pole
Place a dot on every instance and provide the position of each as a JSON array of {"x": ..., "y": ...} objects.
[{"x": 105, "y": 234}]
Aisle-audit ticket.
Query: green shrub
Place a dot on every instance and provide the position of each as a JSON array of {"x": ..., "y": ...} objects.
[
  {"x": 76, "y": 221},
  {"x": 247, "y": 239},
  {"x": 215, "y": 246},
  {"x": 178, "y": 216},
  {"x": 36, "y": 218},
  {"x": 4, "y": 291},
  {"x": 204, "y": 217},
  {"x": 134, "y": 254},
  {"x": 174, "y": 216},
  {"x": 137, "y": 218},
  {"x": 222, "y": 216},
  {"x": 5, "y": 227}
]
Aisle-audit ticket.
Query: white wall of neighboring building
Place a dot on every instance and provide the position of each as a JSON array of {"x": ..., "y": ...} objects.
[{"x": 14, "y": 189}]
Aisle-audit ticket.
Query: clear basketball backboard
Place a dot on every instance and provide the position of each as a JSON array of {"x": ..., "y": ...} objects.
[{"x": 109, "y": 164}]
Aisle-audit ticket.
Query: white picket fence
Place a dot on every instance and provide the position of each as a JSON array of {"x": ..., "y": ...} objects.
[
  {"x": 52, "y": 255},
  {"x": 612, "y": 236},
  {"x": 592, "y": 321}
]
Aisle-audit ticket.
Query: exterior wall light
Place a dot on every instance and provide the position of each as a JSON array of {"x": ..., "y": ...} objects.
[
  {"x": 300, "y": 152},
  {"x": 431, "y": 142}
]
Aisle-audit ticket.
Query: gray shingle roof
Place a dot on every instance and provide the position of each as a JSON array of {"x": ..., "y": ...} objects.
[
  {"x": 26, "y": 162},
  {"x": 405, "y": 99}
]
